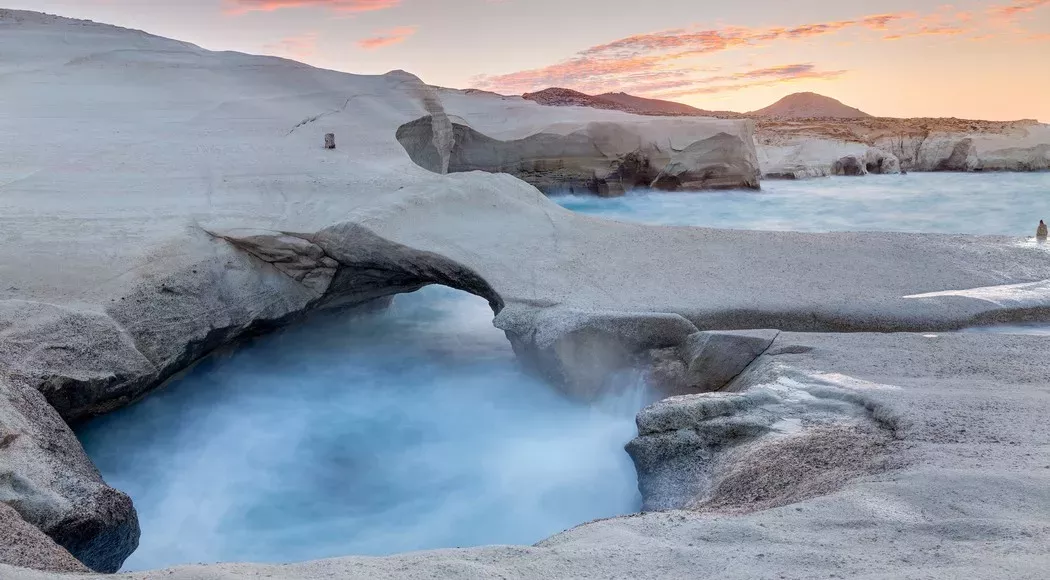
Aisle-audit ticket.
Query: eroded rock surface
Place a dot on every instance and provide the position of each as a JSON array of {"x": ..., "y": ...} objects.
[
  {"x": 721, "y": 162},
  {"x": 48, "y": 481},
  {"x": 693, "y": 450},
  {"x": 604, "y": 158},
  {"x": 792, "y": 148},
  {"x": 817, "y": 410}
]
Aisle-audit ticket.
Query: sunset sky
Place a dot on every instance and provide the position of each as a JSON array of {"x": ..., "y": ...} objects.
[{"x": 973, "y": 59}]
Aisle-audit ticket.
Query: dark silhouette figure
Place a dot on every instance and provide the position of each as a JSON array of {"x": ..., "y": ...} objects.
[{"x": 1040, "y": 232}]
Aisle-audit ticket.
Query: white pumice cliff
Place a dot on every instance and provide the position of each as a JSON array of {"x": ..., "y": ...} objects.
[{"x": 158, "y": 201}]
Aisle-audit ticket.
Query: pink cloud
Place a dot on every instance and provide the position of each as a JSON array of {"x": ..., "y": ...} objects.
[
  {"x": 244, "y": 6},
  {"x": 387, "y": 37}
]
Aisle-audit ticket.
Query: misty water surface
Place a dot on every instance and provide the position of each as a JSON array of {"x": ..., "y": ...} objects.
[
  {"x": 952, "y": 203},
  {"x": 364, "y": 434}
]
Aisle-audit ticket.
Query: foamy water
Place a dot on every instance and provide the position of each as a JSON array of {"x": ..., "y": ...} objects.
[
  {"x": 413, "y": 428},
  {"x": 364, "y": 434}
]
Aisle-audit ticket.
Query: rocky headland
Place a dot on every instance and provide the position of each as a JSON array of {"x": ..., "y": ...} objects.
[
  {"x": 808, "y": 135},
  {"x": 821, "y": 400}
]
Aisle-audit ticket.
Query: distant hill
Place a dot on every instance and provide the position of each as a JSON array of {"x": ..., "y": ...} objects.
[
  {"x": 796, "y": 106},
  {"x": 809, "y": 106},
  {"x": 559, "y": 97},
  {"x": 660, "y": 107}
]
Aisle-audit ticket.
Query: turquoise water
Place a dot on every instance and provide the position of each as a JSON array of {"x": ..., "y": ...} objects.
[
  {"x": 981, "y": 203},
  {"x": 412, "y": 428},
  {"x": 369, "y": 434}
]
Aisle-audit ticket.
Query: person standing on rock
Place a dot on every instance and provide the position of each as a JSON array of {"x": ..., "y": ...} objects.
[{"x": 1040, "y": 232}]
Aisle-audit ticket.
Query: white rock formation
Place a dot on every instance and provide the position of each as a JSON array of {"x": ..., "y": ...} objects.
[
  {"x": 160, "y": 200},
  {"x": 810, "y": 148}
]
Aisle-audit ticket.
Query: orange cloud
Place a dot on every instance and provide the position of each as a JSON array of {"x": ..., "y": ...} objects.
[
  {"x": 387, "y": 37},
  {"x": 244, "y": 6},
  {"x": 652, "y": 62},
  {"x": 754, "y": 78},
  {"x": 936, "y": 30},
  {"x": 1018, "y": 7},
  {"x": 665, "y": 63},
  {"x": 703, "y": 41},
  {"x": 707, "y": 90}
]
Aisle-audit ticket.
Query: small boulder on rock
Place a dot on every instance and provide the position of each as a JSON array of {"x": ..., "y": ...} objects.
[
  {"x": 849, "y": 165},
  {"x": 880, "y": 162}
]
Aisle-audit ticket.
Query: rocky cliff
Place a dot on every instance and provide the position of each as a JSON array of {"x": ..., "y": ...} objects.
[{"x": 805, "y": 134}]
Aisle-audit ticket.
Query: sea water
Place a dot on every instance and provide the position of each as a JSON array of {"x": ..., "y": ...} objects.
[
  {"x": 413, "y": 428},
  {"x": 954, "y": 203},
  {"x": 406, "y": 429}
]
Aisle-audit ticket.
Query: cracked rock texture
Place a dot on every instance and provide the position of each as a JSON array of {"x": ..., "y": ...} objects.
[{"x": 160, "y": 230}]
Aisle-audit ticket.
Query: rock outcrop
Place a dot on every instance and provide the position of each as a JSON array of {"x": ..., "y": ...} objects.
[
  {"x": 692, "y": 451},
  {"x": 803, "y": 135},
  {"x": 849, "y": 165},
  {"x": 705, "y": 361},
  {"x": 874, "y": 161},
  {"x": 47, "y": 481},
  {"x": 601, "y": 158},
  {"x": 720, "y": 162},
  {"x": 878, "y": 162},
  {"x": 962, "y": 158}
]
